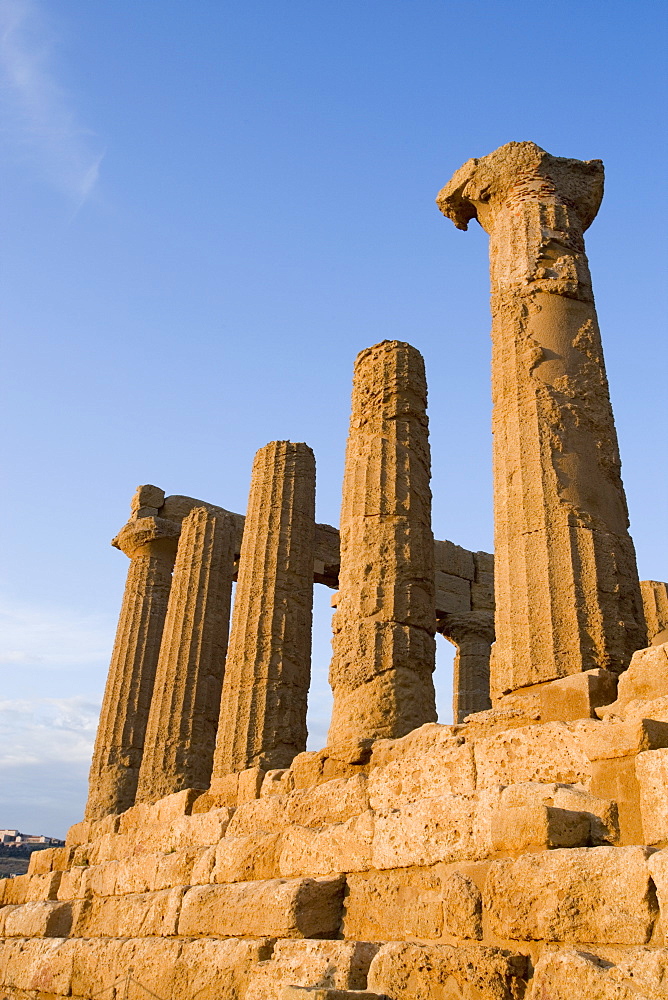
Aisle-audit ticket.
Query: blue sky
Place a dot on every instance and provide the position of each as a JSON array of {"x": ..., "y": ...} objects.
[{"x": 208, "y": 209}]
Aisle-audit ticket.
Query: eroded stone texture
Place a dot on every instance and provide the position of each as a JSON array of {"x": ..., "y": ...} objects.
[
  {"x": 181, "y": 731},
  {"x": 655, "y": 605},
  {"x": 150, "y": 543},
  {"x": 263, "y": 707},
  {"x": 383, "y": 643},
  {"x": 566, "y": 583}
]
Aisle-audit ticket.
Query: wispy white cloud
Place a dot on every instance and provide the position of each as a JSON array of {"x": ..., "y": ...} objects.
[
  {"x": 40, "y": 124},
  {"x": 52, "y": 637}
]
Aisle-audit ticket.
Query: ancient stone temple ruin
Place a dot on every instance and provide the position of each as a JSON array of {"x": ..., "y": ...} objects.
[{"x": 518, "y": 854}]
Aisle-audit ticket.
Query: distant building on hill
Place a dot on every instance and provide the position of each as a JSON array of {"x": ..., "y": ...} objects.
[{"x": 14, "y": 838}]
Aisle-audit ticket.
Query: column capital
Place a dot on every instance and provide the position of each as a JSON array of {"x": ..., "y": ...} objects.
[
  {"x": 148, "y": 536},
  {"x": 475, "y": 625},
  {"x": 521, "y": 172}
]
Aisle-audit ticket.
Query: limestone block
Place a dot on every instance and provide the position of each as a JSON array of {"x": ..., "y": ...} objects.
[
  {"x": 16, "y": 889},
  {"x": 655, "y": 605},
  {"x": 173, "y": 806},
  {"x": 333, "y": 801},
  {"x": 250, "y": 858},
  {"x": 577, "y": 696},
  {"x": 642, "y": 974},
  {"x": 604, "y": 740},
  {"x": 545, "y": 753},
  {"x": 259, "y": 816},
  {"x": 223, "y": 792},
  {"x": 643, "y": 708},
  {"x": 111, "y": 847},
  {"x": 203, "y": 867},
  {"x": 429, "y": 762},
  {"x": 200, "y": 830},
  {"x": 453, "y": 559},
  {"x": 43, "y": 887},
  {"x": 100, "y": 880},
  {"x": 48, "y": 860},
  {"x": 137, "y": 874},
  {"x": 602, "y": 813},
  {"x": 278, "y": 781},
  {"x": 426, "y": 831},
  {"x": 462, "y": 906},
  {"x": 482, "y": 596},
  {"x": 147, "y": 496},
  {"x": 144, "y": 914},
  {"x": 407, "y": 971},
  {"x": 658, "y": 866},
  {"x": 43, "y": 965},
  {"x": 217, "y": 969},
  {"x": 96, "y": 965},
  {"x": 453, "y": 595},
  {"x": 71, "y": 883},
  {"x": 249, "y": 784},
  {"x": 518, "y": 828},
  {"x": 652, "y": 774},
  {"x": 338, "y": 965},
  {"x": 382, "y": 905},
  {"x": 316, "y": 993},
  {"x": 616, "y": 779},
  {"x": 78, "y": 834},
  {"x": 276, "y": 908},
  {"x": 136, "y": 818},
  {"x": 647, "y": 676},
  {"x": 176, "y": 868},
  {"x": 338, "y": 847},
  {"x": 39, "y": 919},
  {"x": 306, "y": 769},
  {"x": 596, "y": 895},
  {"x": 104, "y": 825},
  {"x": 152, "y": 962}
]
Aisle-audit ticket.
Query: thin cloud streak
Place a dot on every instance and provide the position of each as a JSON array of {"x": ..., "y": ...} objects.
[{"x": 39, "y": 124}]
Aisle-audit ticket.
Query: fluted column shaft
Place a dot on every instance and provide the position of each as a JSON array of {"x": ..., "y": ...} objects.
[
  {"x": 263, "y": 706},
  {"x": 150, "y": 543},
  {"x": 181, "y": 731},
  {"x": 566, "y": 583},
  {"x": 383, "y": 642},
  {"x": 473, "y": 635}
]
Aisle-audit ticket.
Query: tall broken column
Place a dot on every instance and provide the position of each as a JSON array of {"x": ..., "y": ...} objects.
[
  {"x": 566, "y": 583},
  {"x": 263, "y": 706},
  {"x": 383, "y": 642},
  {"x": 181, "y": 731},
  {"x": 150, "y": 543}
]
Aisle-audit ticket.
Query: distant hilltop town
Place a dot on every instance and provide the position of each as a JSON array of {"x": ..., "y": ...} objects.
[{"x": 14, "y": 838}]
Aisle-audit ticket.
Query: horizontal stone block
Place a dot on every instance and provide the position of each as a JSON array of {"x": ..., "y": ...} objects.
[
  {"x": 482, "y": 596},
  {"x": 148, "y": 914},
  {"x": 637, "y": 974},
  {"x": 338, "y": 965},
  {"x": 78, "y": 834},
  {"x": 38, "y": 920},
  {"x": 516, "y": 829},
  {"x": 246, "y": 859},
  {"x": 425, "y": 832},
  {"x": 203, "y": 867},
  {"x": 276, "y": 908},
  {"x": 547, "y": 753},
  {"x": 606, "y": 740},
  {"x": 43, "y": 965},
  {"x": 577, "y": 696},
  {"x": 658, "y": 866},
  {"x": 332, "y": 801},
  {"x": 278, "y": 781},
  {"x": 428, "y": 762},
  {"x": 453, "y": 559},
  {"x": 323, "y": 993},
  {"x": 70, "y": 886},
  {"x": 15, "y": 889},
  {"x": 176, "y": 868},
  {"x": 216, "y": 968},
  {"x": 652, "y": 775},
  {"x": 258, "y": 817},
  {"x": 588, "y": 895},
  {"x": 602, "y": 813},
  {"x": 339, "y": 847},
  {"x": 434, "y": 971},
  {"x": 100, "y": 880},
  {"x": 43, "y": 886},
  {"x": 136, "y": 874}
]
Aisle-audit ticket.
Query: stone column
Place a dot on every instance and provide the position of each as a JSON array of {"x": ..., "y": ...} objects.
[
  {"x": 655, "y": 605},
  {"x": 263, "y": 706},
  {"x": 181, "y": 731},
  {"x": 150, "y": 542},
  {"x": 473, "y": 635},
  {"x": 383, "y": 642},
  {"x": 566, "y": 583}
]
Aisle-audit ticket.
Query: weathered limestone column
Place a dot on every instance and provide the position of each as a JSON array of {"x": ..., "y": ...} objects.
[
  {"x": 150, "y": 542},
  {"x": 181, "y": 731},
  {"x": 383, "y": 642},
  {"x": 263, "y": 706},
  {"x": 655, "y": 605},
  {"x": 566, "y": 583},
  {"x": 473, "y": 635}
]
